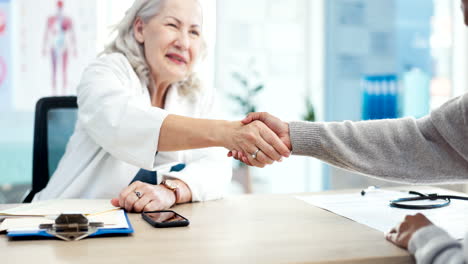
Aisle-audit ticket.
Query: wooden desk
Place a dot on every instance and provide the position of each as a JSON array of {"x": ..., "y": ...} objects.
[{"x": 238, "y": 229}]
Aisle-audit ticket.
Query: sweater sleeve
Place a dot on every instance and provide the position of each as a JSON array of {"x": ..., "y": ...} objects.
[
  {"x": 433, "y": 245},
  {"x": 432, "y": 149}
]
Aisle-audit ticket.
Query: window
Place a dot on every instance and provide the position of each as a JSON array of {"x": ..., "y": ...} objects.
[{"x": 276, "y": 44}]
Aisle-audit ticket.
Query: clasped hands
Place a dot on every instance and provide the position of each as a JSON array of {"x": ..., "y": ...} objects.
[
  {"x": 400, "y": 235},
  {"x": 266, "y": 141}
]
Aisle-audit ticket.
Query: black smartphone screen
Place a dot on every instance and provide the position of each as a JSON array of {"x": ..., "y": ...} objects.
[{"x": 165, "y": 218}]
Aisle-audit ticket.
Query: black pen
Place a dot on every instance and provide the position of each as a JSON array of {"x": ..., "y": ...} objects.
[{"x": 370, "y": 188}]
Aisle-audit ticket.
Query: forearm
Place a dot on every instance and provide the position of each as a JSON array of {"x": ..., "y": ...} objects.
[
  {"x": 428, "y": 150},
  {"x": 182, "y": 133},
  {"x": 405, "y": 150}
]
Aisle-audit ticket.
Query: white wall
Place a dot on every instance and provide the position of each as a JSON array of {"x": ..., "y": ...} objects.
[{"x": 460, "y": 51}]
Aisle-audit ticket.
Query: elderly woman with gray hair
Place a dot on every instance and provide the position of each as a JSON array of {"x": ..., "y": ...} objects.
[{"x": 140, "y": 126}]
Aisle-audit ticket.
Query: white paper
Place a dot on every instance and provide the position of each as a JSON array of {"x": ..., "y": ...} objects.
[
  {"x": 56, "y": 207},
  {"x": 374, "y": 211}
]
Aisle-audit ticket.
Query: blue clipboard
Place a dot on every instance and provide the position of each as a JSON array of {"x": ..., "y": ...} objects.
[{"x": 99, "y": 232}]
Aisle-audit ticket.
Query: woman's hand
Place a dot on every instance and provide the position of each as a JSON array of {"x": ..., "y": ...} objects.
[
  {"x": 260, "y": 144},
  {"x": 402, "y": 233},
  {"x": 152, "y": 198},
  {"x": 255, "y": 138}
]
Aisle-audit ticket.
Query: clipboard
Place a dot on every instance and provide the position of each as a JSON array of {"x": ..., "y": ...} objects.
[
  {"x": 99, "y": 232},
  {"x": 68, "y": 219}
]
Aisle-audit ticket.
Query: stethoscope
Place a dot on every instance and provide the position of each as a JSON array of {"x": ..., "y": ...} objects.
[{"x": 402, "y": 202}]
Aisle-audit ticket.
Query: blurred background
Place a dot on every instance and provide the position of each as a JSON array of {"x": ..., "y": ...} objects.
[{"x": 315, "y": 60}]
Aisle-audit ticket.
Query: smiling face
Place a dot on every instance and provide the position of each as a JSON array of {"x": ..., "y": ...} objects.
[{"x": 171, "y": 40}]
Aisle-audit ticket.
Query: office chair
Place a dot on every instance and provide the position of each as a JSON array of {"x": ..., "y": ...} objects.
[{"x": 54, "y": 123}]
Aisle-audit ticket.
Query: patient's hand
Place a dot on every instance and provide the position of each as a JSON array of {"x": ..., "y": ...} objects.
[
  {"x": 402, "y": 233},
  {"x": 152, "y": 198}
]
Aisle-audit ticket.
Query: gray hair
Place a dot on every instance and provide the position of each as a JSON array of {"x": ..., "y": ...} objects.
[{"x": 126, "y": 44}]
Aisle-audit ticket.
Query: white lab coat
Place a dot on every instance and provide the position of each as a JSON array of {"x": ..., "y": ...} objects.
[{"x": 117, "y": 133}]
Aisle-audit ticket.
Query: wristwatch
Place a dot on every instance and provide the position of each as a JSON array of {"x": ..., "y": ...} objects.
[{"x": 172, "y": 185}]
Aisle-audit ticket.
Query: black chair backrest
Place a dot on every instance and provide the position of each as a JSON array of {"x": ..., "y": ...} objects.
[{"x": 54, "y": 123}]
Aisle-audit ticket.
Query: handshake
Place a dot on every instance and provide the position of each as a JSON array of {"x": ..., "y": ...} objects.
[{"x": 259, "y": 140}]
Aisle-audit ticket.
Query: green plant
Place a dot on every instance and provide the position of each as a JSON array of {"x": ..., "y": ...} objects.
[
  {"x": 310, "y": 111},
  {"x": 246, "y": 99}
]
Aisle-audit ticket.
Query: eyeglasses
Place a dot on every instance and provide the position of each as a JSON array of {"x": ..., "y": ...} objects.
[{"x": 436, "y": 201}]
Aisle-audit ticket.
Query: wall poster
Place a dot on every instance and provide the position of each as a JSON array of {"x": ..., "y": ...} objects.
[
  {"x": 5, "y": 54},
  {"x": 56, "y": 41}
]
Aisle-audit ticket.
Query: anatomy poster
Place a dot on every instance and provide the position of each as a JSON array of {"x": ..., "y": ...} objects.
[
  {"x": 55, "y": 42},
  {"x": 5, "y": 58}
]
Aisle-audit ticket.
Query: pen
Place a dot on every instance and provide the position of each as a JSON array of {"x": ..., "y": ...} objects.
[
  {"x": 373, "y": 188},
  {"x": 368, "y": 189}
]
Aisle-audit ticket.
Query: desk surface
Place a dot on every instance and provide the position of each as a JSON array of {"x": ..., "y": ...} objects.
[{"x": 238, "y": 229}]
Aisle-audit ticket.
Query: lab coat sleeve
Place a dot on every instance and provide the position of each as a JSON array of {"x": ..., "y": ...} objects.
[
  {"x": 207, "y": 171},
  {"x": 116, "y": 114}
]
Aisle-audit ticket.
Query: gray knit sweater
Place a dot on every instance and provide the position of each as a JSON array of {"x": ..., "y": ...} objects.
[{"x": 433, "y": 149}]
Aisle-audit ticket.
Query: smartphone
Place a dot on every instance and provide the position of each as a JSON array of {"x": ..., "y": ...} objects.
[{"x": 165, "y": 218}]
